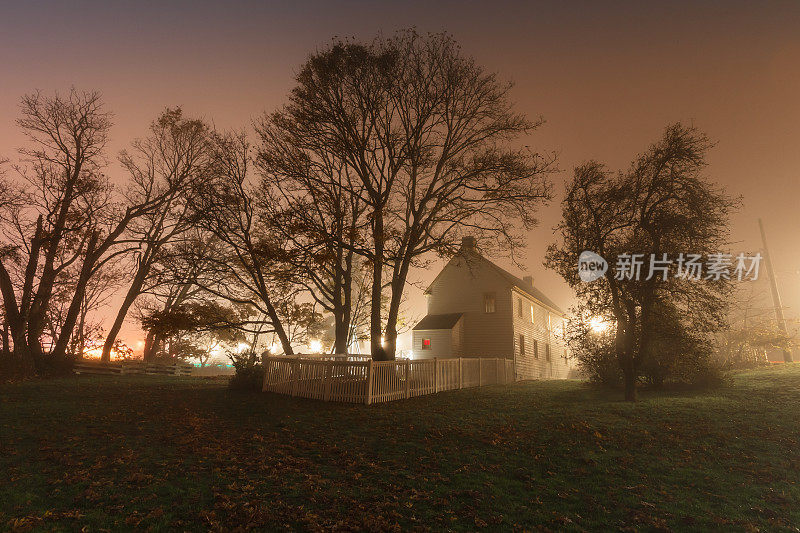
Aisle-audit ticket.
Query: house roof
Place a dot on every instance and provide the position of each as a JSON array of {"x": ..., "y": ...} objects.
[
  {"x": 513, "y": 280},
  {"x": 446, "y": 321},
  {"x": 530, "y": 290}
]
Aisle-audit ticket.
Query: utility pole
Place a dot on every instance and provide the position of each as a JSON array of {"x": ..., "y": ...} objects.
[{"x": 776, "y": 297}]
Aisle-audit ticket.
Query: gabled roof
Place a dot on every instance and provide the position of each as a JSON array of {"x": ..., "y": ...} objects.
[
  {"x": 529, "y": 290},
  {"x": 446, "y": 321}
]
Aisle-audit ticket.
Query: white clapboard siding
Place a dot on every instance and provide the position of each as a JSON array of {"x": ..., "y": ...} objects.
[
  {"x": 460, "y": 288},
  {"x": 359, "y": 381}
]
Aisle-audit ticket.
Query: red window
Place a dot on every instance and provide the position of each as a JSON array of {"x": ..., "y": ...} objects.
[{"x": 426, "y": 344}]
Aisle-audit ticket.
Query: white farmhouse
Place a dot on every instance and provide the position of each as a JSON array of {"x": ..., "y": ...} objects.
[{"x": 477, "y": 309}]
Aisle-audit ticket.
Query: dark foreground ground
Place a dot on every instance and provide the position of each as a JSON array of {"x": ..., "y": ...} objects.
[{"x": 145, "y": 452}]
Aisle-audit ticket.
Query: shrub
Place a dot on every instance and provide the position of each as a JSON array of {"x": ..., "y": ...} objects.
[
  {"x": 247, "y": 377},
  {"x": 710, "y": 375},
  {"x": 674, "y": 357},
  {"x": 594, "y": 353},
  {"x": 381, "y": 355},
  {"x": 49, "y": 365},
  {"x": 11, "y": 369}
]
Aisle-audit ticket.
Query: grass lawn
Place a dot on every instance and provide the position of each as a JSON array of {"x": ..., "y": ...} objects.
[{"x": 151, "y": 452}]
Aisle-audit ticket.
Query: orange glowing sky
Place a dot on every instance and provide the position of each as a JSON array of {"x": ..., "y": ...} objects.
[{"x": 607, "y": 77}]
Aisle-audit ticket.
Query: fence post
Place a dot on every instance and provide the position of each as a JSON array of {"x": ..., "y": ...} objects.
[
  {"x": 408, "y": 380},
  {"x": 480, "y": 372},
  {"x": 435, "y": 375},
  {"x": 497, "y": 370},
  {"x": 295, "y": 376},
  {"x": 370, "y": 377},
  {"x": 460, "y": 373},
  {"x": 326, "y": 380}
]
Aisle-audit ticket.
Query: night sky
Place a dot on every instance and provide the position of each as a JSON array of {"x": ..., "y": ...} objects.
[{"x": 607, "y": 77}]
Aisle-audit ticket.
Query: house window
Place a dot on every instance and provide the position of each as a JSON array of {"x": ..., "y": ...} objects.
[
  {"x": 533, "y": 317},
  {"x": 426, "y": 344},
  {"x": 522, "y": 344},
  {"x": 489, "y": 302},
  {"x": 547, "y": 351},
  {"x": 549, "y": 322},
  {"x": 535, "y": 349},
  {"x": 519, "y": 307}
]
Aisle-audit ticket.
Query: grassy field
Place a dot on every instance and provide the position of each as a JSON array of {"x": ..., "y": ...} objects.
[{"x": 148, "y": 452}]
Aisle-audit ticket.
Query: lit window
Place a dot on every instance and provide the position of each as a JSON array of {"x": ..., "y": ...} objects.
[
  {"x": 533, "y": 317},
  {"x": 522, "y": 344},
  {"x": 426, "y": 344},
  {"x": 549, "y": 322},
  {"x": 489, "y": 302}
]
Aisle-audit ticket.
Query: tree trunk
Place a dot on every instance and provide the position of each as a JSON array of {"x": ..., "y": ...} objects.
[
  {"x": 391, "y": 319},
  {"x": 6, "y": 347},
  {"x": 60, "y": 349},
  {"x": 15, "y": 321},
  {"x": 151, "y": 342},
  {"x": 133, "y": 292},
  {"x": 78, "y": 344},
  {"x": 342, "y": 331},
  {"x": 375, "y": 326},
  {"x": 624, "y": 342},
  {"x": 398, "y": 284},
  {"x": 629, "y": 376},
  {"x": 340, "y": 335},
  {"x": 280, "y": 331},
  {"x": 627, "y": 360},
  {"x": 23, "y": 354}
]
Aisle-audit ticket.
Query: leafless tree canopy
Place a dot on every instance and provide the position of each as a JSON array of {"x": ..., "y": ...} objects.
[
  {"x": 386, "y": 155},
  {"x": 420, "y": 140}
]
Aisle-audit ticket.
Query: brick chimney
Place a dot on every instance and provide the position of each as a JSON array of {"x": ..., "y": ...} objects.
[
  {"x": 528, "y": 280},
  {"x": 469, "y": 244}
]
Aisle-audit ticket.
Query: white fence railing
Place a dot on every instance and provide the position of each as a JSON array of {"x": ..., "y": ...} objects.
[
  {"x": 84, "y": 366},
  {"x": 368, "y": 381}
]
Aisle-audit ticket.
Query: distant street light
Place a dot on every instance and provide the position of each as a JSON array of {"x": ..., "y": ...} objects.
[
  {"x": 315, "y": 347},
  {"x": 598, "y": 324}
]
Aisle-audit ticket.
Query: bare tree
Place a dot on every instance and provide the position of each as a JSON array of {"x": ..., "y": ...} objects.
[
  {"x": 319, "y": 221},
  {"x": 53, "y": 230},
  {"x": 71, "y": 223},
  {"x": 177, "y": 276},
  {"x": 661, "y": 205},
  {"x": 248, "y": 254},
  {"x": 98, "y": 294},
  {"x": 10, "y": 200},
  {"x": 176, "y": 151},
  {"x": 420, "y": 135}
]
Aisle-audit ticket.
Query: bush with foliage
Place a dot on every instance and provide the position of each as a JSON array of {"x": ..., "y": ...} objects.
[
  {"x": 674, "y": 355},
  {"x": 247, "y": 376},
  {"x": 50, "y": 364}
]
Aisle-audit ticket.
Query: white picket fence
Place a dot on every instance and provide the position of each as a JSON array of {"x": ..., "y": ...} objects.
[
  {"x": 83, "y": 366},
  {"x": 362, "y": 380}
]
